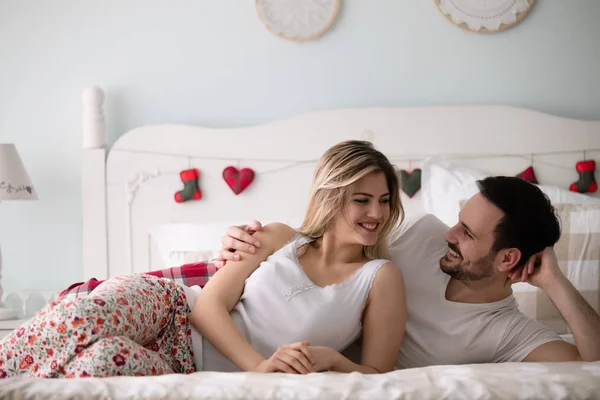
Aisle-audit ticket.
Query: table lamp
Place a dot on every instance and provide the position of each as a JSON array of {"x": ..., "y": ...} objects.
[{"x": 14, "y": 185}]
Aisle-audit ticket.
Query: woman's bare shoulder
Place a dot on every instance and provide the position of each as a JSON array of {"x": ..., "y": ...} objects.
[
  {"x": 388, "y": 278},
  {"x": 275, "y": 235}
]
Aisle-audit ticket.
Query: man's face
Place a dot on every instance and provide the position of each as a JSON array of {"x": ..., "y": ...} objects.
[{"x": 470, "y": 256}]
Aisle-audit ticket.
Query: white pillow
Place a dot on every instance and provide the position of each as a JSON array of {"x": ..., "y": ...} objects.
[
  {"x": 181, "y": 257},
  {"x": 184, "y": 243},
  {"x": 445, "y": 184}
]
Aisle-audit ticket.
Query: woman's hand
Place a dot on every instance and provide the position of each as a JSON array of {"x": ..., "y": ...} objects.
[
  {"x": 293, "y": 358},
  {"x": 325, "y": 358}
]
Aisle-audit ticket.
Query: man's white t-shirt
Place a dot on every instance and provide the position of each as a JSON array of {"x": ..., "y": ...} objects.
[{"x": 439, "y": 331}]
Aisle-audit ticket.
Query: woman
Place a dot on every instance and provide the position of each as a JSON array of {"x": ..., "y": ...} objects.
[
  {"x": 324, "y": 288},
  {"x": 317, "y": 290}
]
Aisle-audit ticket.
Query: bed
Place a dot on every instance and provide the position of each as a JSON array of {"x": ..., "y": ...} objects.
[{"x": 132, "y": 223}]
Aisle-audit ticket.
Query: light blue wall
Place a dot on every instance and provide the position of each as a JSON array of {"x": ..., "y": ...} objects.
[{"x": 212, "y": 63}]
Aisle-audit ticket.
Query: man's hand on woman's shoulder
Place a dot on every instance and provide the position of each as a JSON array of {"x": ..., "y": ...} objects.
[
  {"x": 237, "y": 240},
  {"x": 241, "y": 239}
]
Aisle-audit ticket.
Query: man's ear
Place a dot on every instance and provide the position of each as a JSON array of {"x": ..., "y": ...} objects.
[{"x": 509, "y": 258}]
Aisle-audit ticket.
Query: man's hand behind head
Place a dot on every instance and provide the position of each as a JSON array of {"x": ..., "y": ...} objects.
[
  {"x": 541, "y": 270},
  {"x": 236, "y": 241}
]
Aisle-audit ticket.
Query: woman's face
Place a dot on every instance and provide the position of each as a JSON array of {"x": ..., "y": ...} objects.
[{"x": 367, "y": 211}]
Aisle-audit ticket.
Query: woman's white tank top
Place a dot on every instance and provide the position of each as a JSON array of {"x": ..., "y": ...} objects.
[{"x": 281, "y": 305}]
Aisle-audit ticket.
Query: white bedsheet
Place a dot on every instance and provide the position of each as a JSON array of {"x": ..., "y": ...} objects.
[{"x": 483, "y": 381}]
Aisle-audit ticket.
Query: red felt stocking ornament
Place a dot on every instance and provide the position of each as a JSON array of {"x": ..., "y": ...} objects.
[
  {"x": 190, "y": 191},
  {"x": 587, "y": 181}
]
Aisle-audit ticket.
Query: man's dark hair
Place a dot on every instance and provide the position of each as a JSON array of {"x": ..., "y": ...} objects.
[{"x": 529, "y": 224}]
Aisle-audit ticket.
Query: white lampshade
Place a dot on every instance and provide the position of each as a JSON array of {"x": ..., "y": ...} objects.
[{"x": 15, "y": 183}]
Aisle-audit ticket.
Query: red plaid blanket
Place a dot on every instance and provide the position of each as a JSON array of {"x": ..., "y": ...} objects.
[{"x": 187, "y": 275}]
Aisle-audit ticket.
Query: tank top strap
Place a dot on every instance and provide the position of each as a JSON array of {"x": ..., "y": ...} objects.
[
  {"x": 367, "y": 273},
  {"x": 295, "y": 243},
  {"x": 374, "y": 265},
  {"x": 300, "y": 240},
  {"x": 289, "y": 251}
]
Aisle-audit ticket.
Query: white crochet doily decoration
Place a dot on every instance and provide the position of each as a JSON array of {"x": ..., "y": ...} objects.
[
  {"x": 485, "y": 15},
  {"x": 298, "y": 20}
]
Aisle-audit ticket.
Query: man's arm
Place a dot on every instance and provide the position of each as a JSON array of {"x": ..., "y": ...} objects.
[
  {"x": 583, "y": 321},
  {"x": 238, "y": 240}
]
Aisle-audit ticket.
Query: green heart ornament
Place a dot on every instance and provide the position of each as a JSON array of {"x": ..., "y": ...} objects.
[{"x": 410, "y": 182}]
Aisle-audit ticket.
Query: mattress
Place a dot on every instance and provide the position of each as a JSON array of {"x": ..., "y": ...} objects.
[{"x": 574, "y": 380}]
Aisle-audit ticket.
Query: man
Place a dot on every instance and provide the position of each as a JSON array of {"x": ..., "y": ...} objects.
[{"x": 458, "y": 282}]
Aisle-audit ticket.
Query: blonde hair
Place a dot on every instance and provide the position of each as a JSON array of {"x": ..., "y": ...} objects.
[{"x": 338, "y": 168}]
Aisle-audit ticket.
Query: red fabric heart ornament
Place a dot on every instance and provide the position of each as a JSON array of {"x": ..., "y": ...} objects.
[
  {"x": 238, "y": 180},
  {"x": 528, "y": 175}
]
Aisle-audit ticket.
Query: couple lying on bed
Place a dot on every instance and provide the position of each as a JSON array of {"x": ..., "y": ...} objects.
[{"x": 327, "y": 296}]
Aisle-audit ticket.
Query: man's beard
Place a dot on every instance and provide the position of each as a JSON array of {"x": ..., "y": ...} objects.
[{"x": 468, "y": 270}]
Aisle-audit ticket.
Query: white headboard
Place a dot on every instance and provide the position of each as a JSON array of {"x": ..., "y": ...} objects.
[{"x": 128, "y": 189}]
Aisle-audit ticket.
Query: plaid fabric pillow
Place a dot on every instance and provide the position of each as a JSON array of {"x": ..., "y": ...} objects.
[
  {"x": 188, "y": 275},
  {"x": 578, "y": 253}
]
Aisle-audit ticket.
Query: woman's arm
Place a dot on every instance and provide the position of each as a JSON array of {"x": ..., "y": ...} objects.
[
  {"x": 384, "y": 323},
  {"x": 210, "y": 315}
]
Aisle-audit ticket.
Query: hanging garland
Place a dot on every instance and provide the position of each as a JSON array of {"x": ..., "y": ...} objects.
[{"x": 410, "y": 179}]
